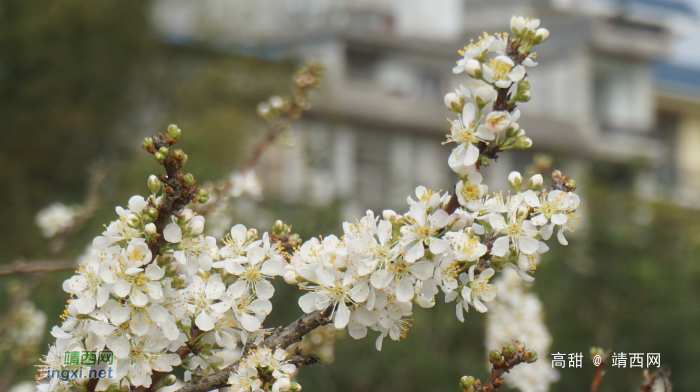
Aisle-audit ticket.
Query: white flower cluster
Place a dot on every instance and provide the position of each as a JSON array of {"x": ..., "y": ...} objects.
[
  {"x": 518, "y": 314},
  {"x": 144, "y": 309},
  {"x": 264, "y": 370}
]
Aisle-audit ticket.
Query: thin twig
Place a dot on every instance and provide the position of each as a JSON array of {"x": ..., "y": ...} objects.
[
  {"x": 600, "y": 371},
  {"x": 30, "y": 267}
]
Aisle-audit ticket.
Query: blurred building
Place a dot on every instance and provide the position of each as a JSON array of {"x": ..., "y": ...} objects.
[{"x": 602, "y": 89}]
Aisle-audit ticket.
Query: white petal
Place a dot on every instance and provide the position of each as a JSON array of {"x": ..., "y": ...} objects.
[
  {"x": 204, "y": 322},
  {"x": 415, "y": 253},
  {"x": 137, "y": 204},
  {"x": 528, "y": 245},
  {"x": 307, "y": 302},
  {"x": 264, "y": 289},
  {"x": 404, "y": 291},
  {"x": 422, "y": 270},
  {"x": 500, "y": 246},
  {"x": 471, "y": 155},
  {"x": 342, "y": 316},
  {"x": 438, "y": 245},
  {"x": 250, "y": 323},
  {"x": 172, "y": 233},
  {"x": 559, "y": 219}
]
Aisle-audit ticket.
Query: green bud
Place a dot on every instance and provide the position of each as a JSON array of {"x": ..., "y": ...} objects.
[
  {"x": 173, "y": 132},
  {"x": 133, "y": 220},
  {"x": 523, "y": 96},
  {"x": 148, "y": 144},
  {"x": 523, "y": 85},
  {"x": 203, "y": 195},
  {"x": 530, "y": 356},
  {"x": 535, "y": 182},
  {"x": 154, "y": 184},
  {"x": 508, "y": 349},
  {"x": 178, "y": 154},
  {"x": 159, "y": 157},
  {"x": 183, "y": 161},
  {"x": 495, "y": 357},
  {"x": 466, "y": 382},
  {"x": 188, "y": 179},
  {"x": 523, "y": 143},
  {"x": 519, "y": 346},
  {"x": 151, "y": 211},
  {"x": 169, "y": 380},
  {"x": 295, "y": 387},
  {"x": 164, "y": 150},
  {"x": 279, "y": 228}
]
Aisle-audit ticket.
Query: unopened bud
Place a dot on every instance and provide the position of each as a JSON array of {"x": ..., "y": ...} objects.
[
  {"x": 183, "y": 161},
  {"x": 252, "y": 233},
  {"x": 473, "y": 68},
  {"x": 169, "y": 380},
  {"x": 519, "y": 346},
  {"x": 523, "y": 85},
  {"x": 178, "y": 154},
  {"x": 203, "y": 195},
  {"x": 283, "y": 384},
  {"x": 154, "y": 184},
  {"x": 263, "y": 109},
  {"x": 530, "y": 356},
  {"x": 522, "y": 211},
  {"x": 523, "y": 143},
  {"x": 454, "y": 102},
  {"x": 276, "y": 102},
  {"x": 466, "y": 382},
  {"x": 279, "y": 227},
  {"x": 150, "y": 229},
  {"x": 496, "y": 357},
  {"x": 159, "y": 157},
  {"x": 164, "y": 150},
  {"x": 508, "y": 349},
  {"x": 151, "y": 211},
  {"x": 523, "y": 96},
  {"x": 173, "y": 132},
  {"x": 290, "y": 277},
  {"x": 541, "y": 34},
  {"x": 515, "y": 180},
  {"x": 188, "y": 179},
  {"x": 148, "y": 144},
  {"x": 295, "y": 387}
]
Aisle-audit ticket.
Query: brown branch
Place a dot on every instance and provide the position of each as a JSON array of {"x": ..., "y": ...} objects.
[
  {"x": 281, "y": 338},
  {"x": 600, "y": 371},
  {"x": 30, "y": 267},
  {"x": 650, "y": 380},
  {"x": 502, "y": 362}
]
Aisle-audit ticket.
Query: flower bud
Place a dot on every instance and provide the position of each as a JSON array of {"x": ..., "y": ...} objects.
[
  {"x": 276, "y": 102},
  {"x": 173, "y": 132},
  {"x": 252, "y": 234},
  {"x": 496, "y": 357},
  {"x": 148, "y": 144},
  {"x": 519, "y": 346},
  {"x": 282, "y": 385},
  {"x": 290, "y": 277},
  {"x": 541, "y": 34},
  {"x": 515, "y": 180},
  {"x": 388, "y": 214},
  {"x": 530, "y": 356},
  {"x": 294, "y": 387},
  {"x": 523, "y": 143},
  {"x": 523, "y": 85},
  {"x": 159, "y": 157},
  {"x": 183, "y": 161},
  {"x": 178, "y": 154},
  {"x": 466, "y": 382},
  {"x": 154, "y": 184},
  {"x": 536, "y": 182},
  {"x": 169, "y": 380},
  {"x": 508, "y": 349},
  {"x": 518, "y": 25},
  {"x": 151, "y": 212},
  {"x": 522, "y": 212},
  {"x": 404, "y": 230},
  {"x": 454, "y": 102},
  {"x": 203, "y": 196},
  {"x": 473, "y": 68},
  {"x": 188, "y": 179},
  {"x": 263, "y": 109},
  {"x": 164, "y": 150},
  {"x": 150, "y": 229}
]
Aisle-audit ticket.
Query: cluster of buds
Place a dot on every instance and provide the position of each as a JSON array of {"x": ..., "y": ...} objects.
[
  {"x": 160, "y": 145},
  {"x": 282, "y": 234},
  {"x": 528, "y": 31},
  {"x": 502, "y": 361}
]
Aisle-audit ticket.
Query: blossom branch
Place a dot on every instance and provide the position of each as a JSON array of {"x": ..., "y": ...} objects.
[
  {"x": 282, "y": 338},
  {"x": 30, "y": 267},
  {"x": 650, "y": 380}
]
